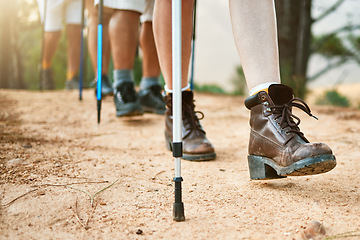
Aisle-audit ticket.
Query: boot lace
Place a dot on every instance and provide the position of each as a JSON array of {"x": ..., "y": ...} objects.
[
  {"x": 190, "y": 115},
  {"x": 155, "y": 97},
  {"x": 127, "y": 92},
  {"x": 288, "y": 119}
]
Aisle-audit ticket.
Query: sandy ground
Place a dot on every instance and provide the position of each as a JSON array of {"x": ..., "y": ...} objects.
[{"x": 54, "y": 157}]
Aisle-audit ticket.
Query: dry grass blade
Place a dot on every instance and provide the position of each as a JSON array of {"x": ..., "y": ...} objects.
[
  {"x": 344, "y": 235},
  {"x": 23, "y": 195}
]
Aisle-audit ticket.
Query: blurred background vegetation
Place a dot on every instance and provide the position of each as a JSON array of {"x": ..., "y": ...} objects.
[{"x": 21, "y": 34}]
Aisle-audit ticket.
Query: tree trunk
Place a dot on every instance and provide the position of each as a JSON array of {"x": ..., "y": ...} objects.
[
  {"x": 5, "y": 45},
  {"x": 294, "y": 31}
]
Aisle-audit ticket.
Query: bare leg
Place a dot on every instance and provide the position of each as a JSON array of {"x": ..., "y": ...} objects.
[
  {"x": 150, "y": 87},
  {"x": 92, "y": 39},
  {"x": 73, "y": 49},
  {"x": 254, "y": 27},
  {"x": 150, "y": 63},
  {"x": 162, "y": 34},
  {"x": 50, "y": 46},
  {"x": 124, "y": 32}
]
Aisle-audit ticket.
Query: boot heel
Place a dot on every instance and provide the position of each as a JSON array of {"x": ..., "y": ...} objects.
[
  {"x": 259, "y": 170},
  {"x": 168, "y": 142}
]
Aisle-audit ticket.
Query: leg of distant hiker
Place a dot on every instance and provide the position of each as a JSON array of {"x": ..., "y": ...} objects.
[
  {"x": 124, "y": 32},
  {"x": 106, "y": 88},
  {"x": 150, "y": 88},
  {"x": 277, "y": 147},
  {"x": 150, "y": 61},
  {"x": 51, "y": 40},
  {"x": 72, "y": 15},
  {"x": 196, "y": 147},
  {"x": 50, "y": 46},
  {"x": 73, "y": 50}
]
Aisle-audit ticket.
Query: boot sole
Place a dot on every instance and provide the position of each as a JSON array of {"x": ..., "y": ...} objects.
[
  {"x": 153, "y": 110},
  {"x": 190, "y": 157},
  {"x": 132, "y": 109},
  {"x": 265, "y": 168}
]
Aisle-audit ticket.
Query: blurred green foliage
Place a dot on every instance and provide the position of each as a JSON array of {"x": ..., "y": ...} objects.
[
  {"x": 333, "y": 98},
  {"x": 212, "y": 88}
]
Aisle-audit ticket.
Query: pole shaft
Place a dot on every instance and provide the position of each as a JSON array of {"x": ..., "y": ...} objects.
[
  {"x": 99, "y": 59},
  {"x": 176, "y": 78},
  {"x": 178, "y": 206}
]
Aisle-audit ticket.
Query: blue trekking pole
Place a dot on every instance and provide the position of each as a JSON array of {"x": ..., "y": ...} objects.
[
  {"x": 193, "y": 49},
  {"x": 81, "y": 71},
  {"x": 178, "y": 206},
  {"x": 99, "y": 60}
]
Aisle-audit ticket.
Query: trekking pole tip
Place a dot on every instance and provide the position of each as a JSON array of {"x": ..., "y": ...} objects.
[
  {"x": 178, "y": 206},
  {"x": 178, "y": 212}
]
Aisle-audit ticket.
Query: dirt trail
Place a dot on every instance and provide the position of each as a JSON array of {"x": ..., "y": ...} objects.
[{"x": 50, "y": 139}]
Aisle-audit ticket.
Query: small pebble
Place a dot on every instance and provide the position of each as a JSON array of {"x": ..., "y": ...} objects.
[
  {"x": 41, "y": 192},
  {"x": 313, "y": 230},
  {"x": 16, "y": 162},
  {"x": 139, "y": 232}
]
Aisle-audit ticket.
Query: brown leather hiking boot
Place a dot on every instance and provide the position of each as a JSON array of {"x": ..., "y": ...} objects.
[
  {"x": 277, "y": 148},
  {"x": 196, "y": 147}
]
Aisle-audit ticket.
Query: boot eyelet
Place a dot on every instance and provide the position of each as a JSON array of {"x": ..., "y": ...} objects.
[
  {"x": 266, "y": 104},
  {"x": 278, "y": 123},
  {"x": 268, "y": 109},
  {"x": 287, "y": 133},
  {"x": 263, "y": 98}
]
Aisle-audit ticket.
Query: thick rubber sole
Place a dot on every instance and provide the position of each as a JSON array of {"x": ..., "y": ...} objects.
[
  {"x": 131, "y": 109},
  {"x": 265, "y": 168},
  {"x": 153, "y": 110},
  {"x": 190, "y": 157}
]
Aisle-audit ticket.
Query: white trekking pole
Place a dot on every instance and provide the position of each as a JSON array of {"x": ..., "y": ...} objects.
[{"x": 178, "y": 206}]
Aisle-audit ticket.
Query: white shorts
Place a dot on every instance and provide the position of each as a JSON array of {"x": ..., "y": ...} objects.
[
  {"x": 147, "y": 15},
  {"x": 58, "y": 11},
  {"x": 145, "y": 7}
]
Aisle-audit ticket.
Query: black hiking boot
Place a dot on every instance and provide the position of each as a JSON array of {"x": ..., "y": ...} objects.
[
  {"x": 126, "y": 100},
  {"x": 152, "y": 100},
  {"x": 47, "y": 79}
]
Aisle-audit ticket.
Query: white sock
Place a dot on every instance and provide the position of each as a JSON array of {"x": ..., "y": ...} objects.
[
  {"x": 167, "y": 90},
  {"x": 260, "y": 87}
]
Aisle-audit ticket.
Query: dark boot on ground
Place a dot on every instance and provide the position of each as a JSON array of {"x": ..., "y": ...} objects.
[
  {"x": 72, "y": 83},
  {"x": 47, "y": 79},
  {"x": 277, "y": 147},
  {"x": 126, "y": 100},
  {"x": 196, "y": 147},
  {"x": 151, "y": 100}
]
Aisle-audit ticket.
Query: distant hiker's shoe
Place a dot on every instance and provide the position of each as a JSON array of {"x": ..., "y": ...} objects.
[
  {"x": 106, "y": 86},
  {"x": 47, "y": 80},
  {"x": 126, "y": 100},
  {"x": 277, "y": 147},
  {"x": 72, "y": 84},
  {"x": 152, "y": 100},
  {"x": 196, "y": 147}
]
